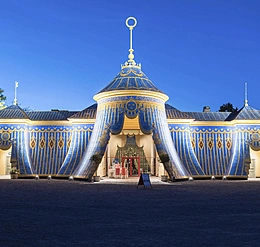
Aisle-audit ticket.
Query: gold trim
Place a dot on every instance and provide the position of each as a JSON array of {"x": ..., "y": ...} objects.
[
  {"x": 211, "y": 123},
  {"x": 117, "y": 93},
  {"x": 55, "y": 122},
  {"x": 80, "y": 120},
  {"x": 179, "y": 121},
  {"x": 15, "y": 121},
  {"x": 245, "y": 122}
]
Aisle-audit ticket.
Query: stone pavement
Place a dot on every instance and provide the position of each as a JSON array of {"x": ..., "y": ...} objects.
[{"x": 75, "y": 213}]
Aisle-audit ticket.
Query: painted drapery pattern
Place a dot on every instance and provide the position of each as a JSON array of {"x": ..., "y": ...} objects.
[
  {"x": 193, "y": 151},
  {"x": 153, "y": 119},
  {"x": 110, "y": 119},
  {"x": 17, "y": 136},
  {"x": 184, "y": 146},
  {"x": 212, "y": 147}
]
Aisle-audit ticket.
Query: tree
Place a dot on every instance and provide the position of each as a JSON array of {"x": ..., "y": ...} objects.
[
  {"x": 164, "y": 158},
  {"x": 96, "y": 158},
  {"x": 228, "y": 107},
  {"x": 2, "y": 99}
]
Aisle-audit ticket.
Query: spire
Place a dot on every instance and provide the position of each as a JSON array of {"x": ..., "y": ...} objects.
[
  {"x": 131, "y": 61},
  {"x": 246, "y": 100},
  {"x": 15, "y": 92}
]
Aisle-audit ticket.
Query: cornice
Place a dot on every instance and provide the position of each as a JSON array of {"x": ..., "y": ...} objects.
[
  {"x": 82, "y": 120},
  {"x": 118, "y": 93},
  {"x": 180, "y": 121},
  {"x": 245, "y": 122},
  {"x": 15, "y": 121},
  {"x": 212, "y": 123},
  {"x": 47, "y": 123}
]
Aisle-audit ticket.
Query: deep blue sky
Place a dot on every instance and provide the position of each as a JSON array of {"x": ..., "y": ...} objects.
[{"x": 62, "y": 52}]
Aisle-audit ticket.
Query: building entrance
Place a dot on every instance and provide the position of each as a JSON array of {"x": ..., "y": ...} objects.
[
  {"x": 133, "y": 165},
  {"x": 254, "y": 171},
  {"x": 5, "y": 161},
  {"x": 128, "y": 159}
]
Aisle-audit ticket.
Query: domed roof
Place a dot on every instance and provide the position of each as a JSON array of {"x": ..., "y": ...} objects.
[{"x": 130, "y": 78}]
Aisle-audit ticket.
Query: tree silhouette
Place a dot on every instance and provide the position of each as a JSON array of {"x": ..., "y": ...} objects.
[
  {"x": 2, "y": 99},
  {"x": 228, "y": 107}
]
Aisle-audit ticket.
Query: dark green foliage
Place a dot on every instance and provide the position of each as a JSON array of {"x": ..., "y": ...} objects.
[
  {"x": 96, "y": 158},
  {"x": 228, "y": 107},
  {"x": 164, "y": 158},
  {"x": 2, "y": 97}
]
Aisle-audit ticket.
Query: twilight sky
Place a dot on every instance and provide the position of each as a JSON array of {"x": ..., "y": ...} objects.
[{"x": 63, "y": 52}]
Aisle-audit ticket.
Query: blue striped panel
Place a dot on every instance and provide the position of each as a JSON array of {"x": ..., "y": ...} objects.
[
  {"x": 182, "y": 141},
  {"x": 213, "y": 159},
  {"x": 79, "y": 141}
]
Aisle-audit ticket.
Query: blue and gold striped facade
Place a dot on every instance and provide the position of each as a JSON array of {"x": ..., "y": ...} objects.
[
  {"x": 199, "y": 144},
  {"x": 202, "y": 148},
  {"x": 62, "y": 143},
  {"x": 46, "y": 149}
]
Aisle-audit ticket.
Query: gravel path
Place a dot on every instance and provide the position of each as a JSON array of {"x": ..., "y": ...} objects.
[{"x": 75, "y": 213}]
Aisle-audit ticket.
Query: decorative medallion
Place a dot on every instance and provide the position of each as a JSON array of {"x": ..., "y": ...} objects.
[
  {"x": 33, "y": 142},
  {"x": 201, "y": 143},
  {"x": 210, "y": 143},
  {"x": 51, "y": 143},
  {"x": 131, "y": 109},
  {"x": 219, "y": 143},
  {"x": 42, "y": 142},
  {"x": 6, "y": 136},
  {"x": 61, "y": 143},
  {"x": 5, "y": 142},
  {"x": 255, "y": 137},
  {"x": 131, "y": 106},
  {"x": 228, "y": 143}
]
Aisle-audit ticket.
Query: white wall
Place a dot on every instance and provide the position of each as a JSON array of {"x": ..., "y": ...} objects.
[
  {"x": 255, "y": 155},
  {"x": 5, "y": 164}
]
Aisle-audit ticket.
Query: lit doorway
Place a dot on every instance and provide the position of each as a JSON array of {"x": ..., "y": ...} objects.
[
  {"x": 133, "y": 165},
  {"x": 5, "y": 164},
  {"x": 254, "y": 170}
]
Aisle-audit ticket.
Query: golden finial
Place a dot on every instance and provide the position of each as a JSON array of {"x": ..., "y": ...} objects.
[{"x": 131, "y": 61}]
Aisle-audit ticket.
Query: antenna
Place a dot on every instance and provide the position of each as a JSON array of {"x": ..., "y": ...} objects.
[
  {"x": 246, "y": 100},
  {"x": 15, "y": 92}
]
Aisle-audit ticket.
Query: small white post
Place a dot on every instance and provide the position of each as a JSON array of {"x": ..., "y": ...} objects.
[
  {"x": 15, "y": 92},
  {"x": 246, "y": 100}
]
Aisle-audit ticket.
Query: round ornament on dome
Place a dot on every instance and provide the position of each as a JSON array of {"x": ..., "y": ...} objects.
[
  {"x": 131, "y": 108},
  {"x": 5, "y": 136},
  {"x": 255, "y": 137}
]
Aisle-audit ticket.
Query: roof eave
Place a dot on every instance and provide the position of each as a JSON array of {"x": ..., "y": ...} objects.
[{"x": 118, "y": 93}]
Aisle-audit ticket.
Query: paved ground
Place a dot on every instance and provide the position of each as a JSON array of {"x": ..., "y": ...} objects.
[{"x": 76, "y": 213}]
